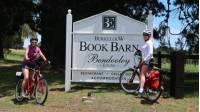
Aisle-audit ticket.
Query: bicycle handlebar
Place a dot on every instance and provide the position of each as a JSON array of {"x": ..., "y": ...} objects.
[
  {"x": 135, "y": 48},
  {"x": 38, "y": 63},
  {"x": 138, "y": 52}
]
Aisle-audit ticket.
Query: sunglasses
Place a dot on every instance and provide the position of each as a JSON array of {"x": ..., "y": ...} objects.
[
  {"x": 34, "y": 42},
  {"x": 145, "y": 34}
]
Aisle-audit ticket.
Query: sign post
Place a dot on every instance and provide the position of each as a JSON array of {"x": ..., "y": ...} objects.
[{"x": 68, "y": 58}]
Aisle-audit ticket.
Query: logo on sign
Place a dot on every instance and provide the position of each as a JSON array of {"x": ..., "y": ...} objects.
[{"x": 109, "y": 22}]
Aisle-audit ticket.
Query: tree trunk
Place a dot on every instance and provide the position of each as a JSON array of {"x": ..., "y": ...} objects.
[{"x": 1, "y": 48}]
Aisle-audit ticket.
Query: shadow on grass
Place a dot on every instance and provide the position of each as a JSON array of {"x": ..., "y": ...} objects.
[
  {"x": 189, "y": 91},
  {"x": 6, "y": 61},
  {"x": 25, "y": 101},
  {"x": 93, "y": 87},
  {"x": 146, "y": 102},
  {"x": 7, "y": 80},
  {"x": 190, "y": 87}
]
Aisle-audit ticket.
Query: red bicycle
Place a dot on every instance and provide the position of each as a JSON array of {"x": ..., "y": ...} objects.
[{"x": 39, "y": 88}]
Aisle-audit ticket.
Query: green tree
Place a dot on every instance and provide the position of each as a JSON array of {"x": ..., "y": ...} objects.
[
  {"x": 51, "y": 21},
  {"x": 26, "y": 31},
  {"x": 16, "y": 40},
  {"x": 187, "y": 11},
  {"x": 13, "y": 14},
  {"x": 189, "y": 15}
]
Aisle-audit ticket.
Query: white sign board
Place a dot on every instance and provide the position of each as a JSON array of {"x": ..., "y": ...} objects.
[
  {"x": 102, "y": 57},
  {"x": 100, "y": 47}
]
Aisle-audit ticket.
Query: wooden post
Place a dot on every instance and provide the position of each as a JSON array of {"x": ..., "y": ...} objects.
[
  {"x": 159, "y": 59},
  {"x": 177, "y": 74}
]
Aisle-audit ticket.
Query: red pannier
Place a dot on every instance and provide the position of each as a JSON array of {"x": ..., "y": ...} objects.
[{"x": 153, "y": 79}]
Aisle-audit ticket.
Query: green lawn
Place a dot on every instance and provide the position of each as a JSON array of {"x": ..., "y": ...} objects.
[
  {"x": 14, "y": 54},
  {"x": 189, "y": 68},
  {"x": 106, "y": 97}
]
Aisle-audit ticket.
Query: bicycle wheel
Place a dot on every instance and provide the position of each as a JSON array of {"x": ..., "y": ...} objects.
[
  {"x": 18, "y": 91},
  {"x": 41, "y": 91},
  {"x": 154, "y": 95},
  {"x": 129, "y": 80}
]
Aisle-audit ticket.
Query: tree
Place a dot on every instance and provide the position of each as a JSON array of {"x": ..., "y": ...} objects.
[
  {"x": 13, "y": 14},
  {"x": 52, "y": 19},
  {"x": 188, "y": 14},
  {"x": 26, "y": 31},
  {"x": 188, "y": 11},
  {"x": 16, "y": 40}
]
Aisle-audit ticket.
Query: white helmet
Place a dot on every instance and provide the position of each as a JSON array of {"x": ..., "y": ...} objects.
[{"x": 147, "y": 31}]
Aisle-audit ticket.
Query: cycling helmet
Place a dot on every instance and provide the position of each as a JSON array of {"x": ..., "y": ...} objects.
[
  {"x": 147, "y": 31},
  {"x": 33, "y": 38}
]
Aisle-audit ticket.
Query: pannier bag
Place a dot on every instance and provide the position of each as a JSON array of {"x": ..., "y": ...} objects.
[{"x": 153, "y": 79}]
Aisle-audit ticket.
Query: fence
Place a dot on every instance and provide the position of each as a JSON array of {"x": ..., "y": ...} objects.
[
  {"x": 190, "y": 62},
  {"x": 182, "y": 69}
]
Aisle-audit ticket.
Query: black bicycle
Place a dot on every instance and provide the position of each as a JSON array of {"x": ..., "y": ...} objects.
[{"x": 129, "y": 80}]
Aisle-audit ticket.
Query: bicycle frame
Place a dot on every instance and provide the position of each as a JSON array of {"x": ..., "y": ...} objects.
[{"x": 35, "y": 76}]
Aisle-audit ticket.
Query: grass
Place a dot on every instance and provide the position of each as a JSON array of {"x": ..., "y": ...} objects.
[
  {"x": 107, "y": 97},
  {"x": 14, "y": 54},
  {"x": 188, "y": 68}
]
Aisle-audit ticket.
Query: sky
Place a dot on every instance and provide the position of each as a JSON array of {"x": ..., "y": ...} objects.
[{"x": 174, "y": 24}]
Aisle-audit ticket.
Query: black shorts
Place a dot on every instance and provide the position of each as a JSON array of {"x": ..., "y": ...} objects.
[{"x": 25, "y": 65}]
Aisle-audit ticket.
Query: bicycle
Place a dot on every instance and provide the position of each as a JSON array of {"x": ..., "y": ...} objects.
[
  {"x": 40, "y": 86},
  {"x": 153, "y": 87}
]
